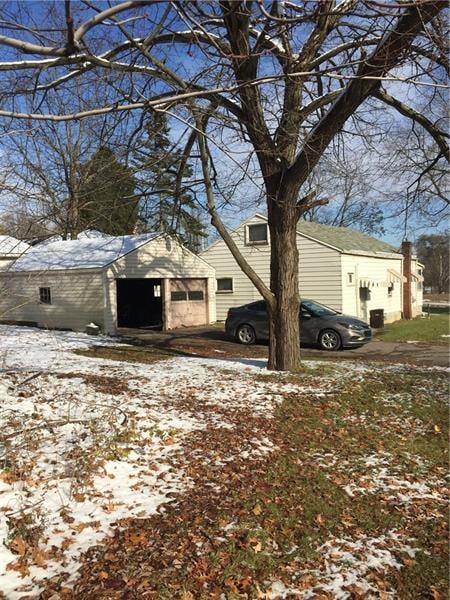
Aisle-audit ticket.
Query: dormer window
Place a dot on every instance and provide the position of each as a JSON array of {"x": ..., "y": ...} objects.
[{"x": 257, "y": 235}]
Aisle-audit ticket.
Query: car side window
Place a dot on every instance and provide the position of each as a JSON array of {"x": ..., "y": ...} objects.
[
  {"x": 304, "y": 312},
  {"x": 259, "y": 306}
]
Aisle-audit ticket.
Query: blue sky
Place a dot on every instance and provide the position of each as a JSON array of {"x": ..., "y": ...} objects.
[{"x": 186, "y": 60}]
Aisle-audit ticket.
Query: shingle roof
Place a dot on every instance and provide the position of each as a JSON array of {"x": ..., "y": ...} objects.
[
  {"x": 10, "y": 246},
  {"x": 343, "y": 238},
  {"x": 87, "y": 253}
]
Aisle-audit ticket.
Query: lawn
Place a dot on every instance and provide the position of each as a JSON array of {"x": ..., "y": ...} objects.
[
  {"x": 434, "y": 330},
  {"x": 194, "y": 478}
]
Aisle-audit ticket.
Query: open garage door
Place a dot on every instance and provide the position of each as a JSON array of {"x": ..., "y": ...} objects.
[{"x": 139, "y": 303}]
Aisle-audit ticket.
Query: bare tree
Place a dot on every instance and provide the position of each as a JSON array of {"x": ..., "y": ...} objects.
[{"x": 289, "y": 77}]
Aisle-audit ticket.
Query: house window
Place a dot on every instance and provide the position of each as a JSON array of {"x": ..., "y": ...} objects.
[
  {"x": 45, "y": 296},
  {"x": 390, "y": 289},
  {"x": 178, "y": 296},
  {"x": 225, "y": 285},
  {"x": 350, "y": 278},
  {"x": 419, "y": 271},
  {"x": 157, "y": 291},
  {"x": 257, "y": 234},
  {"x": 196, "y": 295}
]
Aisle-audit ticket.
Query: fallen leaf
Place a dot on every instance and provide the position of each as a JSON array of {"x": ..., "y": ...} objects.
[
  {"x": 39, "y": 557},
  {"x": 435, "y": 594},
  {"x": 409, "y": 562},
  {"x": 19, "y": 546},
  {"x": 19, "y": 566},
  {"x": 257, "y": 547},
  {"x": 319, "y": 520},
  {"x": 257, "y": 510}
]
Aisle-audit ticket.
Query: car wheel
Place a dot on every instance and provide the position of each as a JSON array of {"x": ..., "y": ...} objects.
[
  {"x": 246, "y": 334},
  {"x": 330, "y": 340}
]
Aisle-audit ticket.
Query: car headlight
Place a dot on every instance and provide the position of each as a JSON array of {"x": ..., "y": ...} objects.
[{"x": 352, "y": 326}]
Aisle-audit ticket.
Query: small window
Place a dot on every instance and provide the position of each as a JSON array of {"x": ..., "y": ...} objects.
[
  {"x": 419, "y": 271},
  {"x": 45, "y": 296},
  {"x": 257, "y": 234},
  {"x": 196, "y": 295},
  {"x": 350, "y": 279},
  {"x": 157, "y": 291},
  {"x": 390, "y": 289},
  {"x": 178, "y": 296},
  {"x": 225, "y": 285}
]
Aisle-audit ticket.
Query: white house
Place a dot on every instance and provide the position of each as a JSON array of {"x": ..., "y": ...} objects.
[
  {"x": 148, "y": 280},
  {"x": 342, "y": 268}
]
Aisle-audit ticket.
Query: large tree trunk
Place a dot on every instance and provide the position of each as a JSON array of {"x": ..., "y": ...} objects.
[{"x": 284, "y": 330}]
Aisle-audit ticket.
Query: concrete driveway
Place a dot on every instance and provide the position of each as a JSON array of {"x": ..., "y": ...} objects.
[{"x": 213, "y": 342}]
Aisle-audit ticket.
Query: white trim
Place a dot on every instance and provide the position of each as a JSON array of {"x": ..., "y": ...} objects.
[
  {"x": 225, "y": 291},
  {"x": 249, "y": 242},
  {"x": 398, "y": 275}
]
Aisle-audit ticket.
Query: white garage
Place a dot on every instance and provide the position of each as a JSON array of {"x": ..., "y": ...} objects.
[{"x": 137, "y": 281}]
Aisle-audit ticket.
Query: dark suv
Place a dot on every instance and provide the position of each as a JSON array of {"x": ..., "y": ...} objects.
[{"x": 319, "y": 325}]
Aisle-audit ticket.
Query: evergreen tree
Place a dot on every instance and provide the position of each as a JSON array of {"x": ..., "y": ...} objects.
[
  {"x": 157, "y": 164},
  {"x": 108, "y": 199}
]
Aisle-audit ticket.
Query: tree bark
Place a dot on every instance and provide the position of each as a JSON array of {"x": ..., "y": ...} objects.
[{"x": 284, "y": 326}]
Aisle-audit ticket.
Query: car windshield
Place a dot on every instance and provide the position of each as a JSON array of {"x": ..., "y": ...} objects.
[{"x": 316, "y": 309}]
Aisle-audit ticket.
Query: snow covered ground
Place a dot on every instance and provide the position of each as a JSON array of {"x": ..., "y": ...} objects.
[{"x": 86, "y": 443}]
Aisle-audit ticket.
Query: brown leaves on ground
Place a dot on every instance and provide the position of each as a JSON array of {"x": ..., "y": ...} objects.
[{"x": 246, "y": 520}]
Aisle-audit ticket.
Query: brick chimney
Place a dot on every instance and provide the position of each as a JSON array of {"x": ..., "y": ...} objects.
[{"x": 407, "y": 302}]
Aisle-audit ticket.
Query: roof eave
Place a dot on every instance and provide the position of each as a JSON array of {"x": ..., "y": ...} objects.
[{"x": 396, "y": 255}]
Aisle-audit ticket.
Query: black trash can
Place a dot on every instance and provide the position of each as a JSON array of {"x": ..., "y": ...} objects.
[{"x": 377, "y": 318}]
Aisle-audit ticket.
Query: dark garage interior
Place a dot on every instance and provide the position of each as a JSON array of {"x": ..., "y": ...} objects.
[{"x": 139, "y": 303}]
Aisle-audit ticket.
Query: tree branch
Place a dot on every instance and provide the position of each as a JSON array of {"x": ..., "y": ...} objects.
[
  {"x": 409, "y": 112},
  {"x": 262, "y": 288},
  {"x": 386, "y": 56}
]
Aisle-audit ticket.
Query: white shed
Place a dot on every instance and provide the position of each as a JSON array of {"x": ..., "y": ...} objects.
[
  {"x": 148, "y": 280},
  {"x": 345, "y": 269}
]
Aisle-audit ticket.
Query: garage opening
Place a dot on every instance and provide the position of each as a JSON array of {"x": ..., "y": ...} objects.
[{"x": 139, "y": 303}]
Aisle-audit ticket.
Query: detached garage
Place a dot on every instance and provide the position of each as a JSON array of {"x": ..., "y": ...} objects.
[{"x": 138, "y": 281}]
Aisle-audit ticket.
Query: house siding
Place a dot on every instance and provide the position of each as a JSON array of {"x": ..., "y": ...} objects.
[
  {"x": 77, "y": 299},
  {"x": 322, "y": 284},
  {"x": 376, "y": 271}
]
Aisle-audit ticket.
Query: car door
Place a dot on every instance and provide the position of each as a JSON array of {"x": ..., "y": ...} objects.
[
  {"x": 259, "y": 319},
  {"x": 308, "y": 327}
]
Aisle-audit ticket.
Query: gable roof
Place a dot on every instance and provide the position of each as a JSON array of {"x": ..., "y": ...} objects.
[
  {"x": 11, "y": 246},
  {"x": 344, "y": 238},
  {"x": 87, "y": 253}
]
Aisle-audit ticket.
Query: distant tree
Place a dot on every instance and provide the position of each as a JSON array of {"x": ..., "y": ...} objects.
[
  {"x": 434, "y": 251},
  {"x": 24, "y": 226},
  {"x": 109, "y": 202},
  {"x": 43, "y": 170},
  {"x": 166, "y": 204},
  {"x": 347, "y": 182}
]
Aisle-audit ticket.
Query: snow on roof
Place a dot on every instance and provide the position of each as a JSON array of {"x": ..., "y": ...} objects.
[
  {"x": 93, "y": 233},
  {"x": 10, "y": 245},
  {"x": 87, "y": 253}
]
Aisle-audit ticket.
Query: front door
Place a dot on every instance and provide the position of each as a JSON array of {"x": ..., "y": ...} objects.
[{"x": 364, "y": 297}]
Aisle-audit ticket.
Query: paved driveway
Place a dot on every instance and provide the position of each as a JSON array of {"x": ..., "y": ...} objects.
[{"x": 213, "y": 342}]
